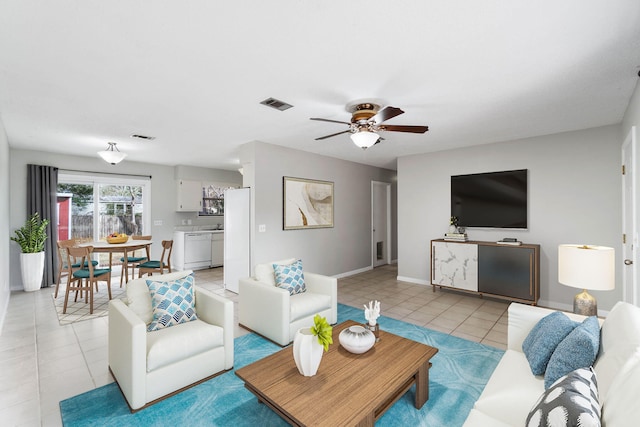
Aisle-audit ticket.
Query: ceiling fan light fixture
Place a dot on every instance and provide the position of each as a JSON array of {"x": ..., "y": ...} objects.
[
  {"x": 364, "y": 139},
  {"x": 112, "y": 154}
]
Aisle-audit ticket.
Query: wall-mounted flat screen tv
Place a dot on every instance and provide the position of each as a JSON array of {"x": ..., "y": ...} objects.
[{"x": 494, "y": 200}]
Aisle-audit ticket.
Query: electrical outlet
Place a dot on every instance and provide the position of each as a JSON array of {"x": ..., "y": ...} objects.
[
  {"x": 157, "y": 222},
  {"x": 188, "y": 222},
  {"x": 184, "y": 222},
  {"x": 262, "y": 228}
]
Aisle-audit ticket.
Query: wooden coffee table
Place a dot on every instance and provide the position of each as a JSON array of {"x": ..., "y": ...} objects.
[{"x": 349, "y": 389}]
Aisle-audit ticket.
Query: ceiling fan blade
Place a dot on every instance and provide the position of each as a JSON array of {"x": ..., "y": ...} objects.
[
  {"x": 412, "y": 129},
  {"x": 330, "y": 121},
  {"x": 333, "y": 134},
  {"x": 386, "y": 114}
]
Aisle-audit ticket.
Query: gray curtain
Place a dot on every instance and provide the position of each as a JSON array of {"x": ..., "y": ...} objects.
[{"x": 42, "y": 190}]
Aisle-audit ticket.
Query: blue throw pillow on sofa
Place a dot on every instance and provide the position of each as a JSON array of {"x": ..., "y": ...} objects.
[
  {"x": 578, "y": 350},
  {"x": 543, "y": 339}
]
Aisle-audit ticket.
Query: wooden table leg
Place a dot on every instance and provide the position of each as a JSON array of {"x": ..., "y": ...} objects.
[{"x": 422, "y": 385}]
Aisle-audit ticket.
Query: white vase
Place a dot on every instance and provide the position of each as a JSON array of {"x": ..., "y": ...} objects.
[
  {"x": 32, "y": 268},
  {"x": 307, "y": 352}
]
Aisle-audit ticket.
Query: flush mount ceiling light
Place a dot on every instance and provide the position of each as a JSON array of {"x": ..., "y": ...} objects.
[{"x": 112, "y": 154}]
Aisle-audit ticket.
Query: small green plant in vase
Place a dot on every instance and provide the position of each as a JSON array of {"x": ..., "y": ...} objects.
[
  {"x": 32, "y": 235},
  {"x": 322, "y": 330}
]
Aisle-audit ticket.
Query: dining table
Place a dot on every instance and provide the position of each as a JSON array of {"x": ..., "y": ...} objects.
[{"x": 130, "y": 246}]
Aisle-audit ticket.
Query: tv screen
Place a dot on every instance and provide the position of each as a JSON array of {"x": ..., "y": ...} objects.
[{"x": 496, "y": 199}]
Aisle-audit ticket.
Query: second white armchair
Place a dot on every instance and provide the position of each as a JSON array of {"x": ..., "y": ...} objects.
[{"x": 274, "y": 313}]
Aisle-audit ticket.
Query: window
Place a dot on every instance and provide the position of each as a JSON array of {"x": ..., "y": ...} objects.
[
  {"x": 213, "y": 198},
  {"x": 121, "y": 203}
]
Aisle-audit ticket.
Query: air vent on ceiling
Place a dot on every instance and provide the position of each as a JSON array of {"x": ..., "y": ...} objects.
[
  {"x": 277, "y": 104},
  {"x": 145, "y": 137}
]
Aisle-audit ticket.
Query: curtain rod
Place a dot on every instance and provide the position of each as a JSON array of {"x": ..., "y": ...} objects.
[{"x": 104, "y": 173}]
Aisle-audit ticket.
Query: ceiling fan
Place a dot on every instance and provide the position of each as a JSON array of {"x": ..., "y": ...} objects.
[{"x": 367, "y": 120}]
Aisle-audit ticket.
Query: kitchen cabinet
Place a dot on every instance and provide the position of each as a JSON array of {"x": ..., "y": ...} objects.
[
  {"x": 189, "y": 196},
  {"x": 487, "y": 268},
  {"x": 217, "y": 249}
]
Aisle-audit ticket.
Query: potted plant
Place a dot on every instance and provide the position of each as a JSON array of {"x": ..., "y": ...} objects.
[
  {"x": 309, "y": 343},
  {"x": 31, "y": 237}
]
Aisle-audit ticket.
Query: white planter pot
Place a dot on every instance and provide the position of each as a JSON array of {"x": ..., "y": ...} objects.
[
  {"x": 32, "y": 268},
  {"x": 307, "y": 352}
]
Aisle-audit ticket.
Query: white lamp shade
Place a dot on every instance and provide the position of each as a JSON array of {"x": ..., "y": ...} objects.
[
  {"x": 587, "y": 267},
  {"x": 364, "y": 138},
  {"x": 113, "y": 157}
]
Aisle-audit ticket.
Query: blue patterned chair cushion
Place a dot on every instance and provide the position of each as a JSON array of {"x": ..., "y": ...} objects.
[
  {"x": 578, "y": 350},
  {"x": 571, "y": 401},
  {"x": 543, "y": 339},
  {"x": 172, "y": 302},
  {"x": 290, "y": 277}
]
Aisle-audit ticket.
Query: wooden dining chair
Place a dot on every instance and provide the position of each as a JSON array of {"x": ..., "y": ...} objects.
[
  {"x": 134, "y": 261},
  {"x": 164, "y": 263},
  {"x": 64, "y": 268},
  {"x": 83, "y": 280}
]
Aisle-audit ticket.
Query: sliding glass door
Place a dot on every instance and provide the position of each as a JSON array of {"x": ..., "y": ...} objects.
[{"x": 92, "y": 207}]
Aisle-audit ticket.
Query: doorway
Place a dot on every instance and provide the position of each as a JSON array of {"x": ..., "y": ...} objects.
[
  {"x": 380, "y": 223},
  {"x": 630, "y": 291}
]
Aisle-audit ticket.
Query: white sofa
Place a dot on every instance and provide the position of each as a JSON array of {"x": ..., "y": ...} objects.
[
  {"x": 275, "y": 314},
  {"x": 150, "y": 365},
  {"x": 512, "y": 391}
]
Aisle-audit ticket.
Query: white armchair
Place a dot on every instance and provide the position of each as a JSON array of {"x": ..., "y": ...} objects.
[
  {"x": 275, "y": 314},
  {"x": 149, "y": 366}
]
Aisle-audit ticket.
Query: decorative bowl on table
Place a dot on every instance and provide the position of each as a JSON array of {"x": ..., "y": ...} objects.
[
  {"x": 356, "y": 339},
  {"x": 117, "y": 238}
]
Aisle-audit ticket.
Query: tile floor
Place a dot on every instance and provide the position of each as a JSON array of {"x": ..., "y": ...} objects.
[{"x": 42, "y": 362}]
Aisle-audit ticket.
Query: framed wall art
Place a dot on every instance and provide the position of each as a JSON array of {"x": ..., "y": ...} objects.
[{"x": 307, "y": 203}]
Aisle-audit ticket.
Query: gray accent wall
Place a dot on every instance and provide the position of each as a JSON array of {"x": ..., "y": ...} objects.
[
  {"x": 575, "y": 196},
  {"x": 332, "y": 251}
]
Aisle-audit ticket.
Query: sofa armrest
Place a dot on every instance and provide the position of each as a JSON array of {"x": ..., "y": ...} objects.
[
  {"x": 128, "y": 352},
  {"x": 319, "y": 284},
  {"x": 264, "y": 309},
  {"x": 522, "y": 318},
  {"x": 217, "y": 310}
]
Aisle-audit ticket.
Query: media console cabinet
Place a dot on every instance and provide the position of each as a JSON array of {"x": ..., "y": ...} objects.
[{"x": 487, "y": 268}]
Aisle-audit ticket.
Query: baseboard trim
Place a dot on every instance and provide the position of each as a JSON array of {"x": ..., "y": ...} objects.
[
  {"x": 353, "y": 272},
  {"x": 413, "y": 280}
]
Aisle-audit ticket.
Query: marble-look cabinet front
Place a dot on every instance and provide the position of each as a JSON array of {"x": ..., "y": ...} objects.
[{"x": 454, "y": 265}]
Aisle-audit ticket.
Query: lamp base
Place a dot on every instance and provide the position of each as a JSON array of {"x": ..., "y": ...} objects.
[{"x": 585, "y": 304}]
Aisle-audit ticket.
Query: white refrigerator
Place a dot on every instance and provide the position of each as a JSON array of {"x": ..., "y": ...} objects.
[{"x": 237, "y": 226}]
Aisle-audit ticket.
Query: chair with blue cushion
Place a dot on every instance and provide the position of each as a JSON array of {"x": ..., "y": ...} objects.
[
  {"x": 134, "y": 261},
  {"x": 64, "y": 268},
  {"x": 158, "y": 266},
  {"x": 86, "y": 278}
]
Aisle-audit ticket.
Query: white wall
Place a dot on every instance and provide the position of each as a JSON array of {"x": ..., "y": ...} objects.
[
  {"x": 163, "y": 193},
  {"x": 574, "y": 197},
  {"x": 5, "y": 231},
  {"x": 333, "y": 251},
  {"x": 632, "y": 115}
]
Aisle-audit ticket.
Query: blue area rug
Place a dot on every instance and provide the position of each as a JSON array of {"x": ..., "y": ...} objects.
[{"x": 459, "y": 373}]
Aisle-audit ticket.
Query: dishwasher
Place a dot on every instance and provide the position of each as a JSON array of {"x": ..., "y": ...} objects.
[{"x": 197, "y": 250}]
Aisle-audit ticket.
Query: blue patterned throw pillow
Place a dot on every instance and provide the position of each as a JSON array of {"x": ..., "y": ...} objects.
[
  {"x": 578, "y": 350},
  {"x": 172, "y": 302},
  {"x": 290, "y": 277},
  {"x": 571, "y": 401},
  {"x": 544, "y": 338}
]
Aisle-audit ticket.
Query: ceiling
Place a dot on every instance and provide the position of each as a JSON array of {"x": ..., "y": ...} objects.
[{"x": 76, "y": 74}]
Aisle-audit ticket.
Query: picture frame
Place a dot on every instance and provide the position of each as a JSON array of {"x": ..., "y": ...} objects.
[{"x": 307, "y": 203}]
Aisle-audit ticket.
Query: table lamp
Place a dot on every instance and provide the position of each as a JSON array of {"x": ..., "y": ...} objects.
[{"x": 586, "y": 267}]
